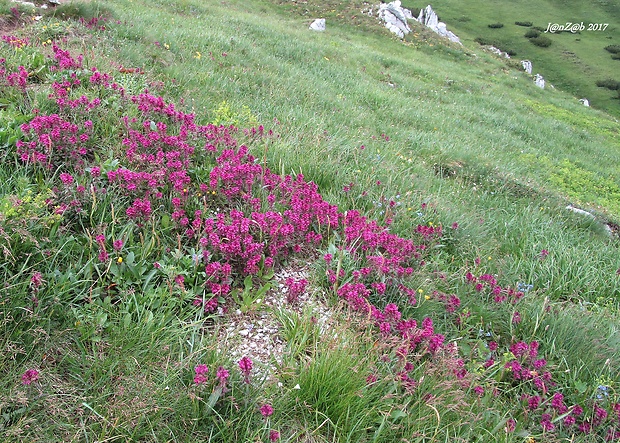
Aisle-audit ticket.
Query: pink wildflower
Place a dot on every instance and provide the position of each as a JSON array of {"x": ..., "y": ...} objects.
[
  {"x": 274, "y": 435},
  {"x": 36, "y": 279},
  {"x": 266, "y": 410},
  {"x": 31, "y": 375},
  {"x": 201, "y": 374},
  {"x": 511, "y": 425},
  {"x": 222, "y": 375},
  {"x": 67, "y": 179},
  {"x": 245, "y": 365}
]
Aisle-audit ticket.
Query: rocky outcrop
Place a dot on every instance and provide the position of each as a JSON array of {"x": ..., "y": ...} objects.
[
  {"x": 585, "y": 102},
  {"x": 429, "y": 18},
  {"x": 395, "y": 18},
  {"x": 527, "y": 66}
]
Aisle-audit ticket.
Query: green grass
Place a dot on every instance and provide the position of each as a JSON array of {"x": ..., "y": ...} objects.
[{"x": 451, "y": 133}]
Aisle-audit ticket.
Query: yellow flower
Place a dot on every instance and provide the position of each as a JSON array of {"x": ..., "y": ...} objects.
[
  {"x": 119, "y": 260},
  {"x": 427, "y": 297},
  {"x": 198, "y": 55}
]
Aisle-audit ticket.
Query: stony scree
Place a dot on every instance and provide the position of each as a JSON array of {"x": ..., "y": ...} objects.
[{"x": 257, "y": 335}]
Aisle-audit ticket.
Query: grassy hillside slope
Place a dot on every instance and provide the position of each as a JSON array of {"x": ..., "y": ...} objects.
[{"x": 475, "y": 299}]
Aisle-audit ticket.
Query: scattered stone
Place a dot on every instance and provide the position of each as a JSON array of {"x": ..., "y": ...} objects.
[
  {"x": 497, "y": 51},
  {"x": 580, "y": 211},
  {"x": 257, "y": 334},
  {"x": 585, "y": 102},
  {"x": 539, "y": 81},
  {"x": 429, "y": 18},
  {"x": 318, "y": 25},
  {"x": 527, "y": 66}
]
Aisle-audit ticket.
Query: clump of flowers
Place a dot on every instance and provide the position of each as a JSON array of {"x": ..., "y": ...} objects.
[{"x": 295, "y": 288}]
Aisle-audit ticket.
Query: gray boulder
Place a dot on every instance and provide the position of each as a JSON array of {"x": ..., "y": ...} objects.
[
  {"x": 539, "y": 81},
  {"x": 318, "y": 25}
]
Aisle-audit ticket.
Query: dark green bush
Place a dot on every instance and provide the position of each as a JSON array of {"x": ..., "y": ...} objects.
[
  {"x": 615, "y": 56},
  {"x": 485, "y": 41},
  {"x": 614, "y": 49},
  {"x": 532, "y": 33},
  {"x": 526, "y": 24},
  {"x": 609, "y": 83},
  {"x": 543, "y": 42},
  {"x": 538, "y": 28},
  {"x": 496, "y": 25}
]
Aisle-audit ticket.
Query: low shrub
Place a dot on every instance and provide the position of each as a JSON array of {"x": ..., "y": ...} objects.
[
  {"x": 615, "y": 56},
  {"x": 543, "y": 42},
  {"x": 525, "y": 24},
  {"x": 490, "y": 42},
  {"x": 532, "y": 33},
  {"x": 496, "y": 25},
  {"x": 609, "y": 83},
  {"x": 614, "y": 49}
]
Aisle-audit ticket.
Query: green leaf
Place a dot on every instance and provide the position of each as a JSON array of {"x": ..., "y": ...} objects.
[
  {"x": 130, "y": 259},
  {"x": 581, "y": 386},
  {"x": 127, "y": 320},
  {"x": 397, "y": 414},
  {"x": 247, "y": 282}
]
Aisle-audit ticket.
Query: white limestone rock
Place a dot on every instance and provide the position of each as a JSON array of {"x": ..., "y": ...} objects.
[
  {"x": 539, "y": 81},
  {"x": 318, "y": 25},
  {"x": 497, "y": 51},
  {"x": 585, "y": 102},
  {"x": 580, "y": 211},
  {"x": 527, "y": 66},
  {"x": 395, "y": 17},
  {"x": 26, "y": 4},
  {"x": 429, "y": 18}
]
